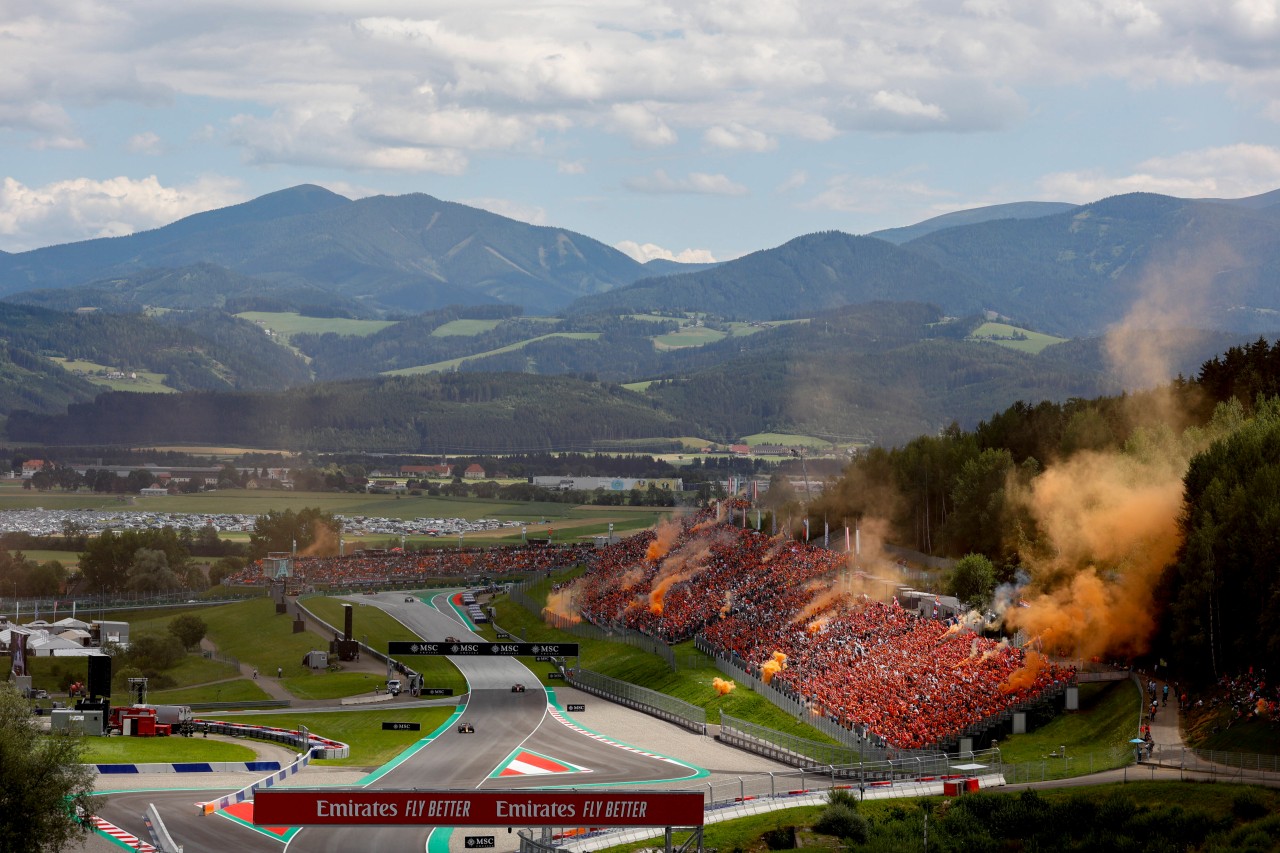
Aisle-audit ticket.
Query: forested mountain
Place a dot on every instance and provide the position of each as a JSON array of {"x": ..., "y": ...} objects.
[
  {"x": 1013, "y": 210},
  {"x": 406, "y": 253},
  {"x": 33, "y": 383},
  {"x": 196, "y": 349},
  {"x": 800, "y": 278},
  {"x": 1074, "y": 273},
  {"x": 201, "y": 285}
]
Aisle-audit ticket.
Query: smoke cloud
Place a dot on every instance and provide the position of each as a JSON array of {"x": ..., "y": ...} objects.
[{"x": 723, "y": 687}]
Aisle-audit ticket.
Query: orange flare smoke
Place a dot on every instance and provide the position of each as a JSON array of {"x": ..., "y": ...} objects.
[{"x": 723, "y": 687}]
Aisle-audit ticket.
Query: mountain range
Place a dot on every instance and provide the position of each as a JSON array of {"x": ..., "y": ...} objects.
[{"x": 882, "y": 353}]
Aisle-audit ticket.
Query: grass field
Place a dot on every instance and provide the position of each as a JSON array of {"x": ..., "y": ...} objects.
[
  {"x": 253, "y": 633},
  {"x": 688, "y": 336},
  {"x": 1012, "y": 337},
  {"x": 450, "y": 364},
  {"x": 288, "y": 324},
  {"x": 380, "y": 628},
  {"x": 161, "y": 750},
  {"x": 786, "y": 439},
  {"x": 144, "y": 382},
  {"x": 1096, "y": 737},
  {"x": 237, "y": 690},
  {"x": 464, "y": 328},
  {"x": 361, "y": 730}
]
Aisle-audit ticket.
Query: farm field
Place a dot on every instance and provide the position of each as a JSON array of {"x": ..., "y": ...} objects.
[
  {"x": 288, "y": 324},
  {"x": 145, "y": 382},
  {"x": 1013, "y": 337},
  {"x": 450, "y": 364},
  {"x": 464, "y": 328}
]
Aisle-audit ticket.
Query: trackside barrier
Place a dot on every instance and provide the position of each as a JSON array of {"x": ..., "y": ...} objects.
[
  {"x": 762, "y": 792},
  {"x": 651, "y": 702},
  {"x": 788, "y": 748},
  {"x": 315, "y": 746},
  {"x": 245, "y": 793},
  {"x": 160, "y": 837}
]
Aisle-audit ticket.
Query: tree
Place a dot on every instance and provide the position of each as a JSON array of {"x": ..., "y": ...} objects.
[
  {"x": 280, "y": 531},
  {"x": 976, "y": 522},
  {"x": 189, "y": 629},
  {"x": 1222, "y": 590},
  {"x": 972, "y": 578},
  {"x": 150, "y": 572},
  {"x": 43, "y": 776},
  {"x": 153, "y": 653}
]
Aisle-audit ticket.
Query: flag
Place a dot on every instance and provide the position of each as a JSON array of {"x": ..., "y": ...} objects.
[
  {"x": 806, "y": 529},
  {"x": 19, "y": 643}
]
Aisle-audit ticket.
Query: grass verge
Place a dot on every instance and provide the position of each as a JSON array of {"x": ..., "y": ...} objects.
[
  {"x": 380, "y": 628},
  {"x": 361, "y": 730},
  {"x": 1096, "y": 737},
  {"x": 161, "y": 750}
]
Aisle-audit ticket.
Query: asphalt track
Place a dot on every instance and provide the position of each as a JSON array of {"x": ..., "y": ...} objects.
[{"x": 505, "y": 723}]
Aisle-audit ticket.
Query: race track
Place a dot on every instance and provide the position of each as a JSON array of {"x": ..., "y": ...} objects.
[{"x": 514, "y": 732}]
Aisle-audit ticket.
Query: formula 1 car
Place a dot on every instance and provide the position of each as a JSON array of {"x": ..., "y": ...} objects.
[
  {"x": 466, "y": 729},
  {"x": 517, "y": 688}
]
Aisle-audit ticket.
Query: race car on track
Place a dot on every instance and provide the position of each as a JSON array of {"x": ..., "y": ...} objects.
[
  {"x": 466, "y": 729},
  {"x": 517, "y": 688}
]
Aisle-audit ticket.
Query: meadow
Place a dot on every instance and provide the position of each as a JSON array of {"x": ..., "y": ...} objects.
[{"x": 1012, "y": 337}]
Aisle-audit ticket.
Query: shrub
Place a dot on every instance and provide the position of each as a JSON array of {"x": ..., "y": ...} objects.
[{"x": 843, "y": 821}]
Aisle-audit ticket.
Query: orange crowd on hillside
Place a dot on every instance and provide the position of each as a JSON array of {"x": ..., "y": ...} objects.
[{"x": 788, "y": 613}]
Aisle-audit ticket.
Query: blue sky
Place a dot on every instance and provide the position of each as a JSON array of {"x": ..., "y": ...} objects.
[{"x": 695, "y": 130}]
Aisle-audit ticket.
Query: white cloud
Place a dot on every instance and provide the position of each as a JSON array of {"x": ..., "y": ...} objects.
[
  {"x": 571, "y": 167},
  {"x": 906, "y": 105},
  {"x": 697, "y": 183},
  {"x": 641, "y": 125},
  {"x": 83, "y": 208},
  {"x": 645, "y": 252},
  {"x": 794, "y": 181},
  {"x": 531, "y": 214},
  {"x": 145, "y": 143},
  {"x": 1231, "y": 171},
  {"x": 736, "y": 137},
  {"x": 874, "y": 194}
]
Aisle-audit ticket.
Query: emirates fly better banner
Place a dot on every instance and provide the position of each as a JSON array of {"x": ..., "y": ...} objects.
[{"x": 292, "y": 807}]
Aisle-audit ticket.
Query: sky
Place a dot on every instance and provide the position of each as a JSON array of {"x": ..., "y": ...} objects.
[{"x": 694, "y": 130}]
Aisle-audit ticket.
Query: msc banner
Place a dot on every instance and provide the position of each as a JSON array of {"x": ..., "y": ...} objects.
[
  {"x": 407, "y": 647},
  {"x": 288, "y": 807}
]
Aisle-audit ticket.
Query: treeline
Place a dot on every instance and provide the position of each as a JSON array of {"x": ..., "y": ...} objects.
[{"x": 439, "y": 413}]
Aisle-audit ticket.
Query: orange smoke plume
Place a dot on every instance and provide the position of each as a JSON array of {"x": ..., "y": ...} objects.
[
  {"x": 664, "y": 538},
  {"x": 769, "y": 669},
  {"x": 560, "y": 603},
  {"x": 1025, "y": 677},
  {"x": 680, "y": 566},
  {"x": 1110, "y": 523},
  {"x": 817, "y": 624},
  {"x": 325, "y": 544},
  {"x": 723, "y": 687}
]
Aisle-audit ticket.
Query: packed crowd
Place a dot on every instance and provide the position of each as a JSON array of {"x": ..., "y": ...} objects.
[
  {"x": 1244, "y": 696},
  {"x": 365, "y": 569},
  {"x": 673, "y": 590},
  {"x": 784, "y": 609}
]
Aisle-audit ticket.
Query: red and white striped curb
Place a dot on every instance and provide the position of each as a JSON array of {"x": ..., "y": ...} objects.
[
  {"x": 128, "y": 839},
  {"x": 577, "y": 728}
]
